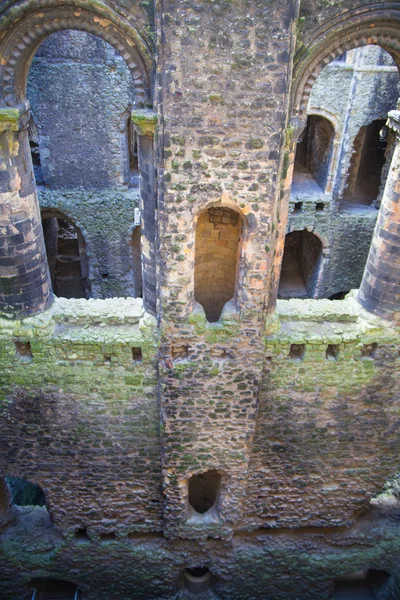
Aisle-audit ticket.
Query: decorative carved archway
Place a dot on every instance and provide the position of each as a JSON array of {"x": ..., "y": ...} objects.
[
  {"x": 26, "y": 26},
  {"x": 375, "y": 24}
]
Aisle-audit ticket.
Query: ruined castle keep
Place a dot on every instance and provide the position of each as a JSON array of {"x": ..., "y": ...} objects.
[{"x": 199, "y": 300}]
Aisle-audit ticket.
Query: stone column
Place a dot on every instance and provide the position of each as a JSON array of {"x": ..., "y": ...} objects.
[
  {"x": 145, "y": 123},
  {"x": 380, "y": 287},
  {"x": 25, "y": 286}
]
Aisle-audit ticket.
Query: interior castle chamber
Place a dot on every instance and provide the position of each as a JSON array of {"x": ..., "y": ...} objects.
[{"x": 199, "y": 300}]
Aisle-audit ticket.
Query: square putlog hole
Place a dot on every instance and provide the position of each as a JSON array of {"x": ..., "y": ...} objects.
[
  {"x": 320, "y": 206},
  {"x": 369, "y": 350},
  {"x": 297, "y": 351},
  {"x": 23, "y": 351},
  {"x": 332, "y": 352},
  {"x": 137, "y": 355},
  {"x": 298, "y": 207},
  {"x": 179, "y": 351}
]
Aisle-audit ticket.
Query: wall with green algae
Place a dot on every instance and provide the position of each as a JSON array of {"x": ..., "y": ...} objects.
[
  {"x": 327, "y": 428},
  {"x": 294, "y": 565},
  {"x": 80, "y": 417}
]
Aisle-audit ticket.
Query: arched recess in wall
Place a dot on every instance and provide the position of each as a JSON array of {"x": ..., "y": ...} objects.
[
  {"x": 314, "y": 153},
  {"x": 66, "y": 256},
  {"x": 219, "y": 234},
  {"x": 301, "y": 265},
  {"x": 367, "y": 161}
]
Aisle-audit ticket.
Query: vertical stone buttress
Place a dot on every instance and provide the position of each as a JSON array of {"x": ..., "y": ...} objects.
[
  {"x": 221, "y": 151},
  {"x": 145, "y": 122},
  {"x": 380, "y": 286},
  {"x": 25, "y": 286}
]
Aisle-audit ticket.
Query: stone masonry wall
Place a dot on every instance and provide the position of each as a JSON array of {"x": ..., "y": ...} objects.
[{"x": 80, "y": 418}]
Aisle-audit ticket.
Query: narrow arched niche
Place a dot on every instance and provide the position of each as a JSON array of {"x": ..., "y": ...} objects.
[
  {"x": 66, "y": 256},
  {"x": 314, "y": 151},
  {"x": 300, "y": 265},
  {"x": 203, "y": 491},
  {"x": 218, "y": 236}
]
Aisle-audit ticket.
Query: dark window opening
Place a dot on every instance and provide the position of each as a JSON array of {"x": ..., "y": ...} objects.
[
  {"x": 218, "y": 236},
  {"x": 23, "y": 351},
  {"x": 319, "y": 206},
  {"x": 300, "y": 265},
  {"x": 137, "y": 261},
  {"x": 332, "y": 352},
  {"x": 197, "y": 579},
  {"x": 204, "y": 491},
  {"x": 33, "y": 136},
  {"x": 313, "y": 154},
  {"x": 366, "y": 586},
  {"x": 179, "y": 351},
  {"x": 297, "y": 351},
  {"x": 51, "y": 589},
  {"x": 81, "y": 534},
  {"x": 133, "y": 155},
  {"x": 106, "y": 537},
  {"x": 107, "y": 358},
  {"x": 367, "y": 160},
  {"x": 24, "y": 493},
  {"x": 369, "y": 350},
  {"x": 137, "y": 355},
  {"x": 339, "y": 295},
  {"x": 298, "y": 207},
  {"x": 66, "y": 257}
]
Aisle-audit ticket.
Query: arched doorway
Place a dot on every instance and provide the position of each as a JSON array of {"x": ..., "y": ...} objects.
[
  {"x": 314, "y": 151},
  {"x": 300, "y": 265},
  {"x": 367, "y": 161},
  {"x": 66, "y": 256}
]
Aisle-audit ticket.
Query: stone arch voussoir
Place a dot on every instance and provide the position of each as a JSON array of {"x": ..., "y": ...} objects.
[
  {"x": 376, "y": 25},
  {"x": 25, "y": 34}
]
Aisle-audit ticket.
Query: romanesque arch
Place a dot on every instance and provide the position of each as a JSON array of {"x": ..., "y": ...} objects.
[
  {"x": 32, "y": 22},
  {"x": 353, "y": 29}
]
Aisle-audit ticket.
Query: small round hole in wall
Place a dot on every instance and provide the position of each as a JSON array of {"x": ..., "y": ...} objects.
[{"x": 197, "y": 579}]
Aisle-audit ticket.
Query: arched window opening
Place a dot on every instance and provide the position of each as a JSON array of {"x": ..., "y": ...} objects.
[
  {"x": 24, "y": 493},
  {"x": 35, "y": 151},
  {"x": 313, "y": 154},
  {"x": 133, "y": 154},
  {"x": 137, "y": 261},
  {"x": 52, "y": 589},
  {"x": 78, "y": 87},
  {"x": 365, "y": 585},
  {"x": 366, "y": 164},
  {"x": 66, "y": 256},
  {"x": 218, "y": 236},
  {"x": 204, "y": 491},
  {"x": 300, "y": 265}
]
